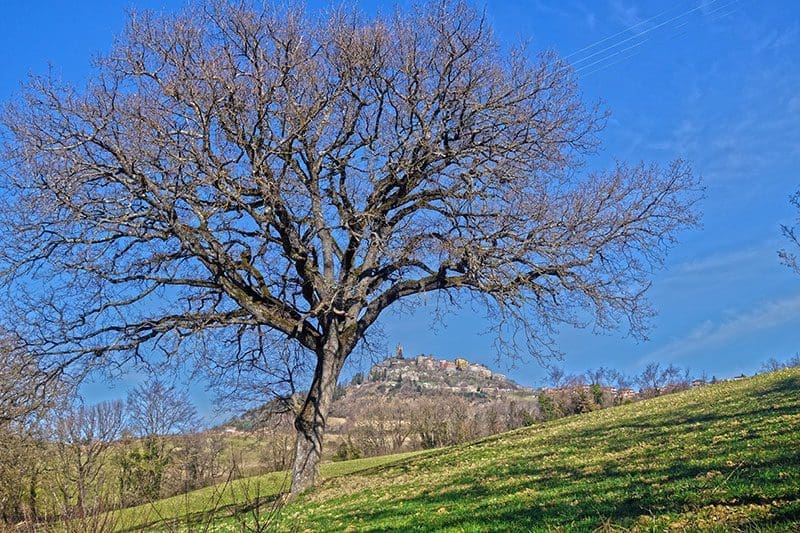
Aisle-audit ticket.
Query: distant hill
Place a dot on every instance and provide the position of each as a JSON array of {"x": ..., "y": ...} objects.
[
  {"x": 425, "y": 374},
  {"x": 398, "y": 378},
  {"x": 411, "y": 384},
  {"x": 423, "y": 402}
]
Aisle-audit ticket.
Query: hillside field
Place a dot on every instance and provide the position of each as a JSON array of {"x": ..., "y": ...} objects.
[{"x": 721, "y": 457}]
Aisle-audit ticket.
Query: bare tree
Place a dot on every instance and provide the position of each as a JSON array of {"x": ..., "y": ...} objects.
[
  {"x": 198, "y": 461},
  {"x": 277, "y": 440},
  {"x": 772, "y": 364},
  {"x": 155, "y": 409},
  {"x": 257, "y": 174},
  {"x": 25, "y": 387},
  {"x": 601, "y": 376},
  {"x": 655, "y": 380},
  {"x": 156, "y": 413},
  {"x": 622, "y": 383},
  {"x": 24, "y": 462},
  {"x": 83, "y": 434},
  {"x": 382, "y": 426},
  {"x": 789, "y": 258},
  {"x": 556, "y": 376},
  {"x": 27, "y": 394}
]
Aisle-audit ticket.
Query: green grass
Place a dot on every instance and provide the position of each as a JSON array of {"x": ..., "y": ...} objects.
[
  {"x": 194, "y": 509},
  {"x": 724, "y": 457}
]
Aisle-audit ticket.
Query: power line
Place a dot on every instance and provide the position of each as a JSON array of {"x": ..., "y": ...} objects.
[
  {"x": 609, "y": 65},
  {"x": 621, "y": 32},
  {"x": 619, "y": 52},
  {"x": 645, "y": 32},
  {"x": 615, "y": 53}
]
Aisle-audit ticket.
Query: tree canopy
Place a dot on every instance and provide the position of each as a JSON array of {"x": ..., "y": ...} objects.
[{"x": 258, "y": 174}]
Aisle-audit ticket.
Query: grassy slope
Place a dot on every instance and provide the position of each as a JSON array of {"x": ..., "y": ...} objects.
[
  {"x": 192, "y": 509},
  {"x": 723, "y": 457}
]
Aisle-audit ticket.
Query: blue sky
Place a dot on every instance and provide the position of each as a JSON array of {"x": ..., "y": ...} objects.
[{"x": 715, "y": 82}]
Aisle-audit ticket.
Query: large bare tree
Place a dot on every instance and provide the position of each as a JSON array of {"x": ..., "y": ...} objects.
[{"x": 262, "y": 175}]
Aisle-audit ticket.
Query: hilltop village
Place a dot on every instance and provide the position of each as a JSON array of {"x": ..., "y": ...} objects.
[
  {"x": 426, "y": 373},
  {"x": 460, "y": 376}
]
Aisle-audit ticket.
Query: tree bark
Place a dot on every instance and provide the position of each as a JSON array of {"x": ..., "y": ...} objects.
[
  {"x": 33, "y": 496},
  {"x": 310, "y": 421}
]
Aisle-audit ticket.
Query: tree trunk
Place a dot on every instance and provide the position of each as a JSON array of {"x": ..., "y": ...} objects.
[
  {"x": 33, "y": 496},
  {"x": 81, "y": 489},
  {"x": 310, "y": 421}
]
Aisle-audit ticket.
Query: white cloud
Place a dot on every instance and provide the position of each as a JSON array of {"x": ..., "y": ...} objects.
[
  {"x": 709, "y": 334},
  {"x": 628, "y": 15},
  {"x": 707, "y": 7},
  {"x": 590, "y": 19},
  {"x": 777, "y": 39},
  {"x": 726, "y": 266},
  {"x": 549, "y": 8},
  {"x": 794, "y": 104},
  {"x": 727, "y": 260},
  {"x": 561, "y": 9}
]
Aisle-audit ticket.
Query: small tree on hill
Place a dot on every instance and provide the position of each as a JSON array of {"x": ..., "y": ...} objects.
[
  {"x": 655, "y": 380},
  {"x": 156, "y": 412},
  {"x": 255, "y": 175},
  {"x": 82, "y": 435},
  {"x": 791, "y": 233}
]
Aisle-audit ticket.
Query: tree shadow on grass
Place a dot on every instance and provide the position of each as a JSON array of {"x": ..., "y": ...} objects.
[
  {"x": 202, "y": 520},
  {"x": 620, "y": 490},
  {"x": 585, "y": 501}
]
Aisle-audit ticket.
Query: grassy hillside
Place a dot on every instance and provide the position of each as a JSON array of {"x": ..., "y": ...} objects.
[
  {"x": 723, "y": 457},
  {"x": 192, "y": 510}
]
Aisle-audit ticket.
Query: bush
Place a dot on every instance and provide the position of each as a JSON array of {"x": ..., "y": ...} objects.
[{"x": 347, "y": 451}]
